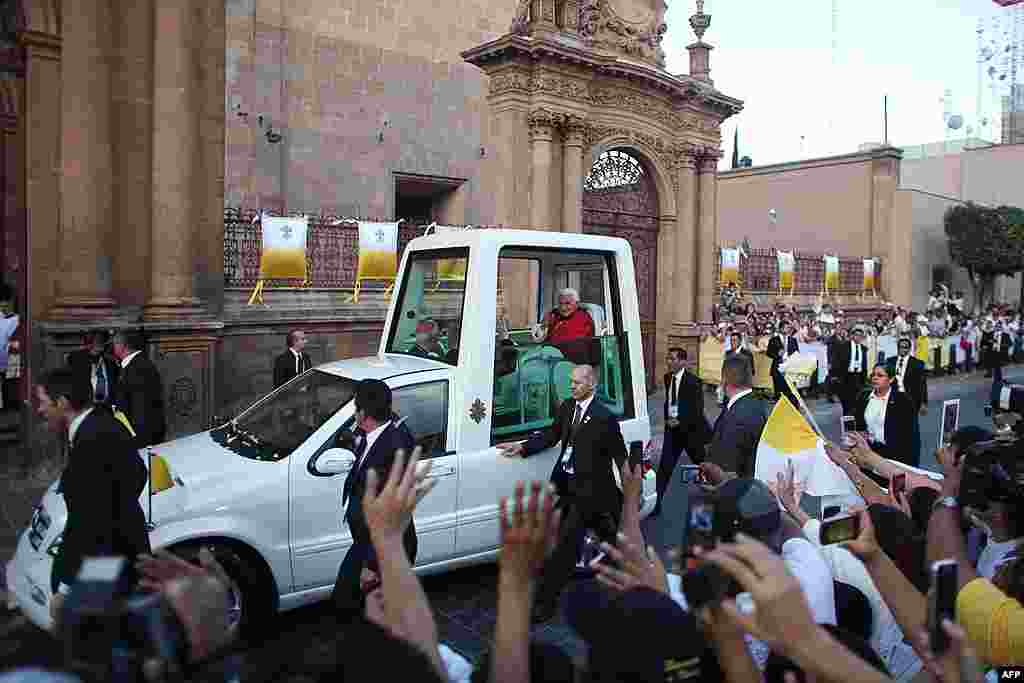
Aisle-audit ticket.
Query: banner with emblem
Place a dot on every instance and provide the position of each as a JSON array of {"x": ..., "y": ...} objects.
[
  {"x": 831, "y": 273},
  {"x": 378, "y": 254},
  {"x": 283, "y": 252},
  {"x": 869, "y": 275},
  {"x": 787, "y": 270},
  {"x": 730, "y": 266}
]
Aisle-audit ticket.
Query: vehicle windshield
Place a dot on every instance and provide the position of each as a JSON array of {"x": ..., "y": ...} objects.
[
  {"x": 428, "y": 322},
  {"x": 276, "y": 426}
]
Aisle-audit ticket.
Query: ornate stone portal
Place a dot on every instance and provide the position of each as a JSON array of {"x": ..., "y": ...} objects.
[{"x": 574, "y": 79}]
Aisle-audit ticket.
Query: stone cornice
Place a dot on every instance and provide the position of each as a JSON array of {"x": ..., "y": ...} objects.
[
  {"x": 537, "y": 49},
  {"x": 40, "y": 45},
  {"x": 838, "y": 160}
]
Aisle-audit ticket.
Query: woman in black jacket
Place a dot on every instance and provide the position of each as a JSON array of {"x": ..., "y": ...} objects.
[{"x": 884, "y": 415}]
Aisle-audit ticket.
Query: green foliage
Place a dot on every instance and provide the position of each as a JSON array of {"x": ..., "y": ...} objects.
[{"x": 986, "y": 241}]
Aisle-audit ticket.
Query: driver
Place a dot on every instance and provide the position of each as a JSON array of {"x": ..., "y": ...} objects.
[{"x": 567, "y": 321}]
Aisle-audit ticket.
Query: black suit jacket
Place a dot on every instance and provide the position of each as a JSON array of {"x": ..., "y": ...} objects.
[
  {"x": 746, "y": 353},
  {"x": 775, "y": 351},
  {"x": 736, "y": 435},
  {"x": 898, "y": 413},
  {"x": 81, "y": 363},
  {"x": 380, "y": 458},
  {"x": 690, "y": 401},
  {"x": 841, "y": 362},
  {"x": 284, "y": 366},
  {"x": 598, "y": 443},
  {"x": 915, "y": 380},
  {"x": 140, "y": 395},
  {"x": 101, "y": 486}
]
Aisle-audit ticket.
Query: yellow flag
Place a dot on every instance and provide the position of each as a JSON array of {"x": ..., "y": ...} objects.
[
  {"x": 159, "y": 475},
  {"x": 123, "y": 419},
  {"x": 788, "y": 432}
]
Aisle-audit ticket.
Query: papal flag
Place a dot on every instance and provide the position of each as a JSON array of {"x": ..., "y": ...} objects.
[
  {"x": 789, "y": 438},
  {"x": 730, "y": 265},
  {"x": 284, "y": 247},
  {"x": 831, "y": 273},
  {"x": 869, "y": 275},
  {"x": 378, "y": 251},
  {"x": 787, "y": 269}
]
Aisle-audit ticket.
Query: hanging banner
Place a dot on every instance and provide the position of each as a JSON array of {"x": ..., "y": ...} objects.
[
  {"x": 450, "y": 269},
  {"x": 869, "y": 275},
  {"x": 378, "y": 255},
  {"x": 730, "y": 266},
  {"x": 787, "y": 270},
  {"x": 831, "y": 273},
  {"x": 284, "y": 247}
]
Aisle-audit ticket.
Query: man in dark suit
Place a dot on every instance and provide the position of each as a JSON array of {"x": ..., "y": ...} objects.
[
  {"x": 685, "y": 424},
  {"x": 139, "y": 393},
  {"x": 736, "y": 347},
  {"x": 376, "y": 450},
  {"x": 91, "y": 364},
  {"x": 912, "y": 380},
  {"x": 589, "y": 496},
  {"x": 850, "y": 370},
  {"x": 294, "y": 361},
  {"x": 781, "y": 347},
  {"x": 102, "y": 482},
  {"x": 738, "y": 429}
]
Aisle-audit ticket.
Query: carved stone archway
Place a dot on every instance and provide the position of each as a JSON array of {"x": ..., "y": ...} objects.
[{"x": 576, "y": 78}]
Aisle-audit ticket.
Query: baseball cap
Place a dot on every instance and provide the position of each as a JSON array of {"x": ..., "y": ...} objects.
[{"x": 751, "y": 506}]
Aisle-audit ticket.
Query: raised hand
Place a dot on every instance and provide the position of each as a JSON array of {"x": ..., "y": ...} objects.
[
  {"x": 528, "y": 535},
  {"x": 389, "y": 510},
  {"x": 636, "y": 568},
  {"x": 632, "y": 483},
  {"x": 865, "y": 546}
]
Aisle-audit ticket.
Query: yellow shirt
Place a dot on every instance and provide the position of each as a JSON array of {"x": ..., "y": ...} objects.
[{"x": 994, "y": 622}]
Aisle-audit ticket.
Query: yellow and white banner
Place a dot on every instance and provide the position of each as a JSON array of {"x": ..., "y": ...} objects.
[
  {"x": 284, "y": 247},
  {"x": 730, "y": 266},
  {"x": 450, "y": 269},
  {"x": 787, "y": 270},
  {"x": 831, "y": 273},
  {"x": 378, "y": 251},
  {"x": 869, "y": 275}
]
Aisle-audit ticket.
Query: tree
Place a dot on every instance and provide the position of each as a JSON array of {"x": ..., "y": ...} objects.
[{"x": 987, "y": 242}]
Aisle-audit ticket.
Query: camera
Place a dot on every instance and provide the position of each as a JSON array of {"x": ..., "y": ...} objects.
[{"x": 992, "y": 471}]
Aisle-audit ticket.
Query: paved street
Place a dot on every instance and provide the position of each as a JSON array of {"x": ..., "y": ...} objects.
[{"x": 464, "y": 600}]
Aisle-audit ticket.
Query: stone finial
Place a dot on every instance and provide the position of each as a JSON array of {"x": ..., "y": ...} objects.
[{"x": 700, "y": 22}]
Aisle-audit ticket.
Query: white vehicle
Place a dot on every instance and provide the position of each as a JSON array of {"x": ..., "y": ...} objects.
[{"x": 263, "y": 491}]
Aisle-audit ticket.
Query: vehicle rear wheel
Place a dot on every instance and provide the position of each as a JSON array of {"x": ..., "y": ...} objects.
[{"x": 251, "y": 595}]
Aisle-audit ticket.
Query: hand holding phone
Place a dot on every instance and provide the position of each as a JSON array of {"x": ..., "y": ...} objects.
[
  {"x": 849, "y": 424},
  {"x": 840, "y": 529},
  {"x": 898, "y": 485},
  {"x": 941, "y": 604}
]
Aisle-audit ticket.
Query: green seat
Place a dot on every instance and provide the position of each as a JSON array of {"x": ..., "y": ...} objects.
[{"x": 561, "y": 380}]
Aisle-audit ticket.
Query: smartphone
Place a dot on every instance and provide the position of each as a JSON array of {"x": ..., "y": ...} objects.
[
  {"x": 941, "y": 604},
  {"x": 840, "y": 529},
  {"x": 636, "y": 453},
  {"x": 690, "y": 474},
  {"x": 849, "y": 423},
  {"x": 700, "y": 524},
  {"x": 831, "y": 511},
  {"x": 898, "y": 485},
  {"x": 704, "y": 585}
]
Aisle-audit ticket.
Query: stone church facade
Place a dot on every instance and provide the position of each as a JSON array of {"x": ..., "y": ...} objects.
[{"x": 146, "y": 134}]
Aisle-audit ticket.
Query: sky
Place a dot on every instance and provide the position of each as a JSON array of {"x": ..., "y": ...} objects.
[{"x": 777, "y": 57}]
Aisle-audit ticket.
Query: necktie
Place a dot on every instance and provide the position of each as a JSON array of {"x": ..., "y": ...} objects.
[
  {"x": 570, "y": 463},
  {"x": 101, "y": 382},
  {"x": 672, "y": 394},
  {"x": 351, "y": 478},
  {"x": 298, "y": 364}
]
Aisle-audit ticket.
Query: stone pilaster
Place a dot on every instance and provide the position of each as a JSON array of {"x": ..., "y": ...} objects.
[
  {"x": 85, "y": 276},
  {"x": 707, "y": 232},
  {"x": 573, "y": 130},
  {"x": 686, "y": 243},
  {"x": 175, "y": 138},
  {"x": 542, "y": 130}
]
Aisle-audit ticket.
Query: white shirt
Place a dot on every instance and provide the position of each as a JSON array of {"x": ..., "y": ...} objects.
[
  {"x": 737, "y": 396},
  {"x": 678, "y": 378},
  {"x": 901, "y": 369},
  {"x": 886, "y": 636},
  {"x": 370, "y": 439},
  {"x": 76, "y": 423},
  {"x": 128, "y": 359},
  {"x": 298, "y": 360},
  {"x": 584, "y": 405},
  {"x": 993, "y": 555},
  {"x": 7, "y": 329},
  {"x": 874, "y": 416},
  {"x": 459, "y": 670}
]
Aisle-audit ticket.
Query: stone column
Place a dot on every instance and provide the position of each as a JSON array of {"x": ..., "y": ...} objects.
[
  {"x": 175, "y": 139},
  {"x": 542, "y": 127},
  {"x": 707, "y": 233},
  {"x": 85, "y": 278},
  {"x": 573, "y": 129},
  {"x": 686, "y": 243}
]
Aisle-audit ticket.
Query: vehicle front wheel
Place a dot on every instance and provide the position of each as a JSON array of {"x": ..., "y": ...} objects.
[{"x": 250, "y": 595}]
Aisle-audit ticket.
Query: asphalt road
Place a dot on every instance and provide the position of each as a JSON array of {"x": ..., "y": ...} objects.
[{"x": 464, "y": 600}]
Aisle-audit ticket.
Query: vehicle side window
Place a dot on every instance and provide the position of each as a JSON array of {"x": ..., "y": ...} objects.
[
  {"x": 556, "y": 309},
  {"x": 424, "y": 409}
]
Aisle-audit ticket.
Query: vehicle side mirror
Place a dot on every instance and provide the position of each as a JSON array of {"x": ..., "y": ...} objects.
[{"x": 333, "y": 461}]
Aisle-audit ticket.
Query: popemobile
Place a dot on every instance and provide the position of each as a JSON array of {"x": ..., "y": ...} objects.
[{"x": 262, "y": 491}]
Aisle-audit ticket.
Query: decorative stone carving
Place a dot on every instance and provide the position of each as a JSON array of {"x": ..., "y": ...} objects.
[
  {"x": 543, "y": 123},
  {"x": 554, "y": 84},
  {"x": 510, "y": 81},
  {"x": 602, "y": 28},
  {"x": 571, "y": 15},
  {"x": 668, "y": 155},
  {"x": 574, "y": 130},
  {"x": 645, "y": 105},
  {"x": 521, "y": 20}
]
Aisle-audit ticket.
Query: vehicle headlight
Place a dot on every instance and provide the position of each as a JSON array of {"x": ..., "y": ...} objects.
[{"x": 55, "y": 546}]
